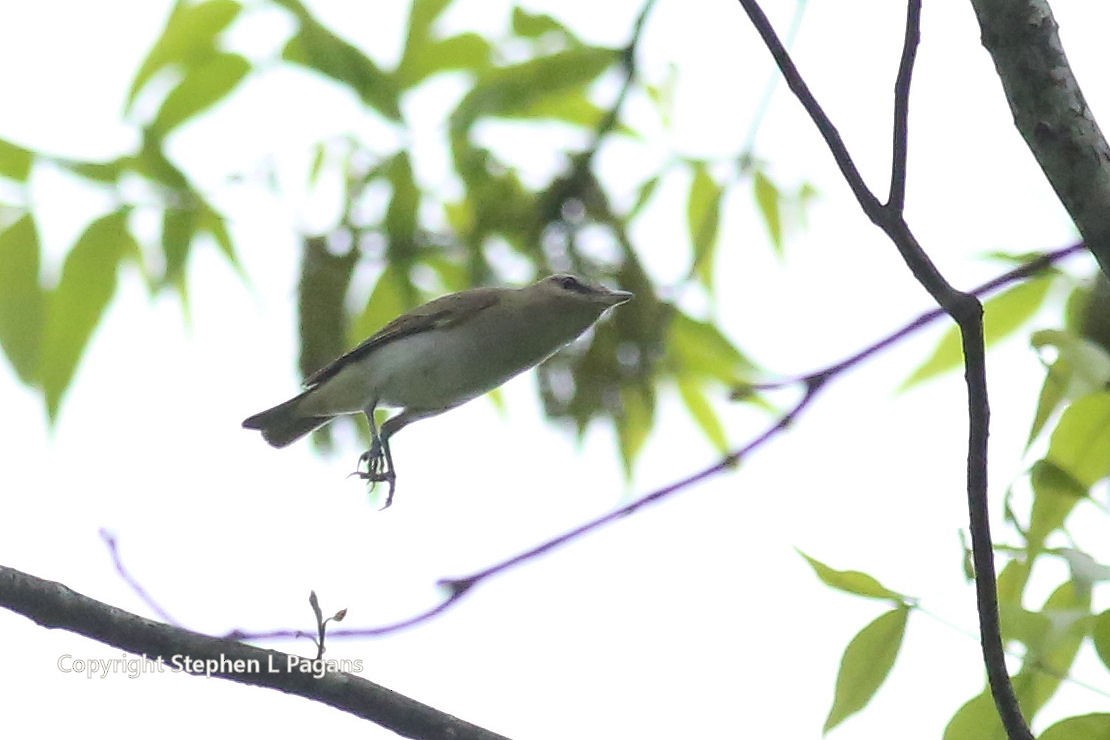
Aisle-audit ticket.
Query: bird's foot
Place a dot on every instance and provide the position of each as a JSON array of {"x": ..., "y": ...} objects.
[{"x": 377, "y": 471}]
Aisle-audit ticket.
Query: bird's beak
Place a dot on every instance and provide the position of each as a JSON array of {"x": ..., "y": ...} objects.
[{"x": 613, "y": 297}]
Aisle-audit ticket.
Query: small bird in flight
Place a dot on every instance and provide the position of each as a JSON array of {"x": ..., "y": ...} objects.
[{"x": 436, "y": 357}]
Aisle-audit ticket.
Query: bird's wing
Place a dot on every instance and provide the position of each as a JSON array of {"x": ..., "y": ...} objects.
[{"x": 442, "y": 312}]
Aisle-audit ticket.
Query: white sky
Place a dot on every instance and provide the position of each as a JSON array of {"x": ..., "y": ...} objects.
[{"x": 694, "y": 618}]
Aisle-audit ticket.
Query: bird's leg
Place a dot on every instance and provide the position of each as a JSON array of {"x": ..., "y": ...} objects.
[{"x": 379, "y": 461}]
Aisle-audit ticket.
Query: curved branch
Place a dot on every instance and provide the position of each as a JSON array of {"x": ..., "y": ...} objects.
[
  {"x": 1051, "y": 113},
  {"x": 55, "y": 606}
]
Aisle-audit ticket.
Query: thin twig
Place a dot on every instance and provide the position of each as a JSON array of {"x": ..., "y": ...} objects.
[
  {"x": 113, "y": 549},
  {"x": 896, "y": 200}
]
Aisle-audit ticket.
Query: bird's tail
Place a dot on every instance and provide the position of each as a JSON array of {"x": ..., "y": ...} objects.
[{"x": 282, "y": 425}]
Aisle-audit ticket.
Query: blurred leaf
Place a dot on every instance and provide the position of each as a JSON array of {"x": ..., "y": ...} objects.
[
  {"x": 514, "y": 89},
  {"x": 101, "y": 172},
  {"x": 1100, "y": 636},
  {"x": 644, "y": 195},
  {"x": 703, "y": 219},
  {"x": 1027, "y": 627},
  {"x": 388, "y": 300},
  {"x": 976, "y": 720},
  {"x": 768, "y": 198},
  {"x": 423, "y": 14},
  {"x": 1090, "y": 363},
  {"x": 424, "y": 55},
  {"x": 1095, "y": 322},
  {"x": 535, "y": 25},
  {"x": 22, "y": 303},
  {"x": 851, "y": 581},
  {"x": 15, "y": 161},
  {"x": 316, "y": 47},
  {"x": 178, "y": 228},
  {"x": 1084, "y": 727},
  {"x": 866, "y": 663},
  {"x": 1084, "y": 569},
  {"x": 1081, "y": 367},
  {"x": 634, "y": 423},
  {"x": 1055, "y": 494},
  {"x": 1049, "y": 660},
  {"x": 466, "y": 51},
  {"x": 703, "y": 413},
  {"x": 203, "y": 86},
  {"x": 1080, "y": 444},
  {"x": 1004, "y": 314},
  {"x": 75, "y": 306},
  {"x": 698, "y": 348},
  {"x": 572, "y": 106},
  {"x": 189, "y": 35},
  {"x": 153, "y": 163},
  {"x": 212, "y": 222},
  {"x": 402, "y": 212},
  {"x": 321, "y": 296}
]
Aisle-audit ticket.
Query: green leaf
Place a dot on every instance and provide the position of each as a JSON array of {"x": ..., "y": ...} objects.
[
  {"x": 1084, "y": 727},
  {"x": 424, "y": 55},
  {"x": 1003, "y": 314},
  {"x": 213, "y": 223},
  {"x": 178, "y": 229},
  {"x": 15, "y": 161},
  {"x": 1080, "y": 444},
  {"x": 388, "y": 300},
  {"x": 107, "y": 173},
  {"x": 22, "y": 303},
  {"x": 321, "y": 295},
  {"x": 703, "y": 219},
  {"x": 1055, "y": 494},
  {"x": 535, "y": 25},
  {"x": 851, "y": 581},
  {"x": 203, "y": 86},
  {"x": 402, "y": 212},
  {"x": 514, "y": 89},
  {"x": 1081, "y": 367},
  {"x": 152, "y": 163},
  {"x": 1049, "y": 659},
  {"x": 768, "y": 198},
  {"x": 643, "y": 196},
  {"x": 699, "y": 349},
  {"x": 976, "y": 720},
  {"x": 467, "y": 51},
  {"x": 75, "y": 306},
  {"x": 1100, "y": 636},
  {"x": 703, "y": 413},
  {"x": 867, "y": 661},
  {"x": 634, "y": 423},
  {"x": 189, "y": 35},
  {"x": 572, "y": 106},
  {"x": 318, "y": 48}
]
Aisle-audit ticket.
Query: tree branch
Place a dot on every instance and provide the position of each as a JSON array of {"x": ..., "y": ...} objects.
[
  {"x": 55, "y": 606},
  {"x": 1051, "y": 113},
  {"x": 965, "y": 310}
]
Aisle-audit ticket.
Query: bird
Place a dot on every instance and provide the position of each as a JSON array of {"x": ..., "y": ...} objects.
[{"x": 436, "y": 357}]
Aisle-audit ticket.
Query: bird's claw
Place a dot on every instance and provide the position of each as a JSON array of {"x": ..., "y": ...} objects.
[{"x": 377, "y": 471}]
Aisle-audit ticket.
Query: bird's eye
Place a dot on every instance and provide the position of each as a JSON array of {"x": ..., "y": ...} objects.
[{"x": 569, "y": 282}]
